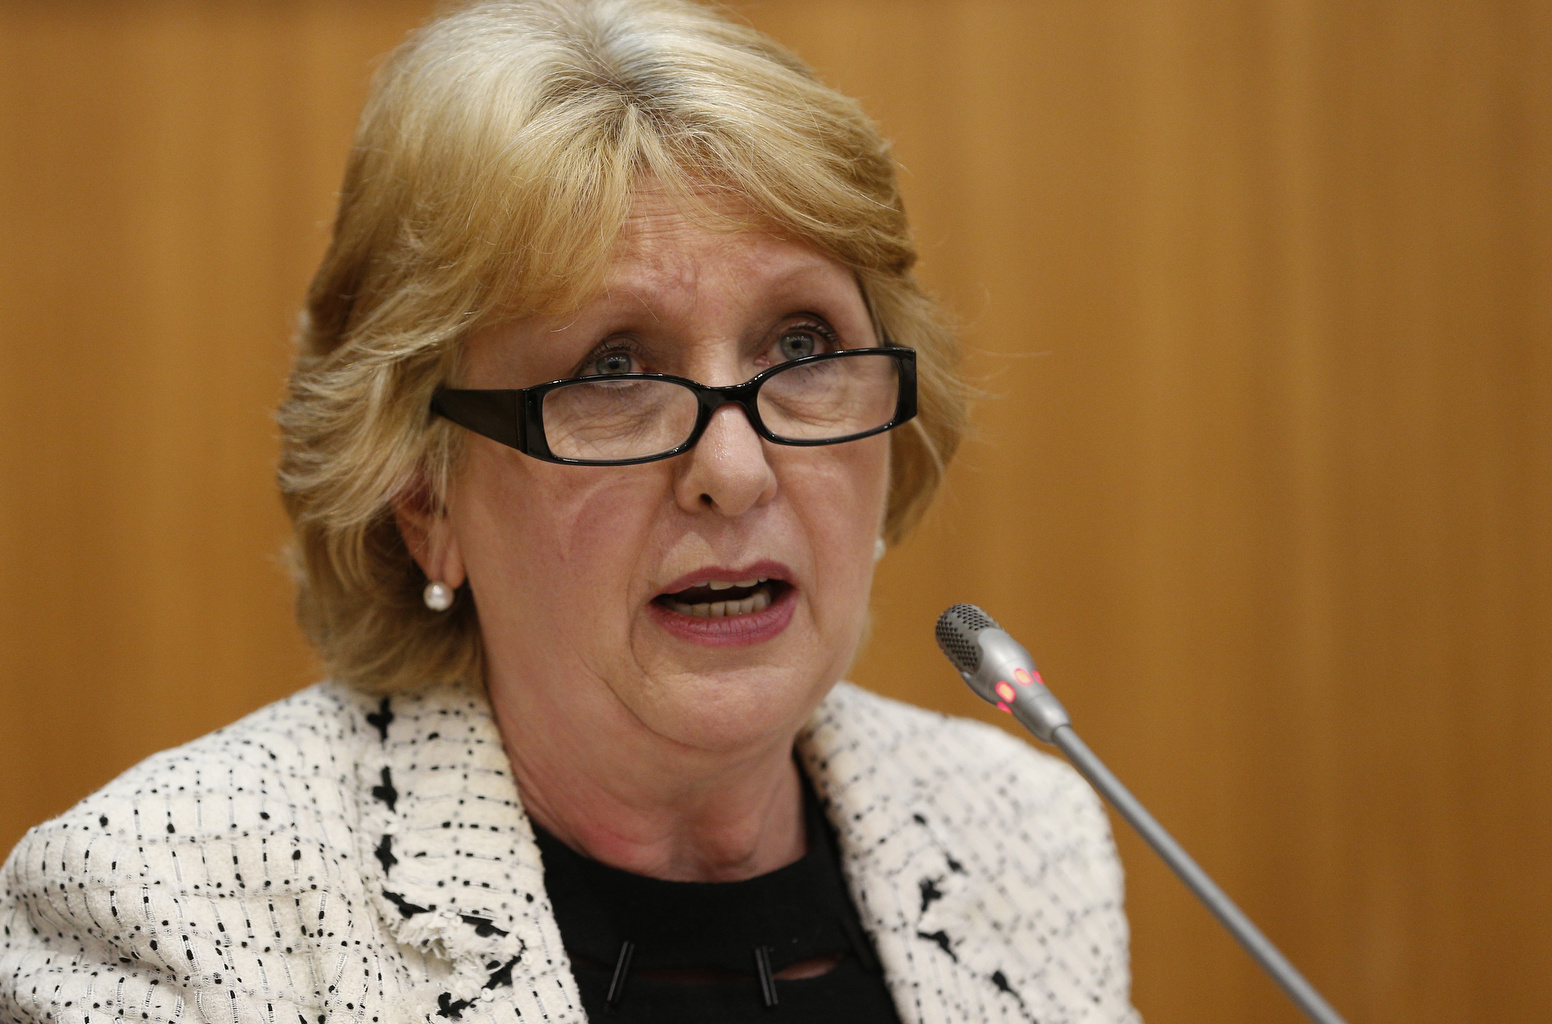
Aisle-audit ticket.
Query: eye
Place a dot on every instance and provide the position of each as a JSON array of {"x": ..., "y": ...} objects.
[
  {"x": 608, "y": 362},
  {"x": 806, "y": 339}
]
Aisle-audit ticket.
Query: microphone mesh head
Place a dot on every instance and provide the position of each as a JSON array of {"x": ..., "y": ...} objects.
[{"x": 956, "y": 632}]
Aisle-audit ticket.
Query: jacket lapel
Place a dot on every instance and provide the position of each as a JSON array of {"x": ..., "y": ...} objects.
[
  {"x": 452, "y": 862},
  {"x": 982, "y": 870},
  {"x": 901, "y": 873}
]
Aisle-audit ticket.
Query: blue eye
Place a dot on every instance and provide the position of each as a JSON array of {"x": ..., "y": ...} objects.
[
  {"x": 804, "y": 340},
  {"x": 797, "y": 344},
  {"x": 613, "y": 362}
]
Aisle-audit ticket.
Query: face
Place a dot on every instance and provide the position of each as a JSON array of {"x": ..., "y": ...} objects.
[{"x": 603, "y": 591}]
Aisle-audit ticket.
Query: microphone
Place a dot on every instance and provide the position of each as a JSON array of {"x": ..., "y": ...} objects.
[{"x": 1001, "y": 672}]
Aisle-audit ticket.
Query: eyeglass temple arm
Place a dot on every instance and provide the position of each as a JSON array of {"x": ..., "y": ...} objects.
[
  {"x": 493, "y": 414},
  {"x": 906, "y": 364}
]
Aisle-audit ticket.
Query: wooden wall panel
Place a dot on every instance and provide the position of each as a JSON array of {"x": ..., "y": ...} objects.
[
  {"x": 166, "y": 179},
  {"x": 1261, "y": 295}
]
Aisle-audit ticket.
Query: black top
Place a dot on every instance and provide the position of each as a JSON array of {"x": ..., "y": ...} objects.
[{"x": 647, "y": 950}]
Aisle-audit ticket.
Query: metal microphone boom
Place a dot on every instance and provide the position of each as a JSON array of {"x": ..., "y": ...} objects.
[{"x": 1001, "y": 671}]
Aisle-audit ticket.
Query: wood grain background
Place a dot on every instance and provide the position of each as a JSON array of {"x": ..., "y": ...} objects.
[{"x": 1262, "y": 296}]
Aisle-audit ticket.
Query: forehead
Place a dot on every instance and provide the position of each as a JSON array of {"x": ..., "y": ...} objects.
[{"x": 662, "y": 250}]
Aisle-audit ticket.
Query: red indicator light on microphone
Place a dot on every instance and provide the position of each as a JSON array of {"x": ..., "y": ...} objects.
[
  {"x": 1005, "y": 691},
  {"x": 1021, "y": 676},
  {"x": 1003, "y": 707}
]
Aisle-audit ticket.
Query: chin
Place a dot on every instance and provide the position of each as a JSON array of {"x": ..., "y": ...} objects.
[{"x": 735, "y": 710}]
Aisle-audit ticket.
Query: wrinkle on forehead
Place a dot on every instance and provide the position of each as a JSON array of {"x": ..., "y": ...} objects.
[
  {"x": 663, "y": 250},
  {"x": 660, "y": 237}
]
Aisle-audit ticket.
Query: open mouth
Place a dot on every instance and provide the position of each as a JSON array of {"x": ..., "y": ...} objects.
[{"x": 720, "y": 599}]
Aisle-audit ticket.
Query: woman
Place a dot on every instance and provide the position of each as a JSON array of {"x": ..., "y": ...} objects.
[{"x": 611, "y": 388}]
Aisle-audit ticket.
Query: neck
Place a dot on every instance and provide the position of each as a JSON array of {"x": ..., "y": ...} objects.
[{"x": 646, "y": 804}]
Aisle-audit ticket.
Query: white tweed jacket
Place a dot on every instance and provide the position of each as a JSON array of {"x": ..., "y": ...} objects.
[{"x": 340, "y": 857}]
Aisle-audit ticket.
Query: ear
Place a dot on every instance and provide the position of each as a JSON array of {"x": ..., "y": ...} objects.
[{"x": 428, "y": 533}]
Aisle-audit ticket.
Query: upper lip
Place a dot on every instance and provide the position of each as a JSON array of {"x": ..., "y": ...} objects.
[{"x": 766, "y": 570}]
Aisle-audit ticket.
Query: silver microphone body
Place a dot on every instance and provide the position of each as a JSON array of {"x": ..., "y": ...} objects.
[{"x": 1000, "y": 671}]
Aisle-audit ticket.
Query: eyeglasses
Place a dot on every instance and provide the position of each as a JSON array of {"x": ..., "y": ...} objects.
[{"x": 626, "y": 418}]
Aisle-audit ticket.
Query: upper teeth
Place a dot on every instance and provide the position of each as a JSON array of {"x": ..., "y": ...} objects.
[{"x": 725, "y": 585}]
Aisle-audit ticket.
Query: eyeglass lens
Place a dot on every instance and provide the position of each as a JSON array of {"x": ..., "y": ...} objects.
[{"x": 598, "y": 418}]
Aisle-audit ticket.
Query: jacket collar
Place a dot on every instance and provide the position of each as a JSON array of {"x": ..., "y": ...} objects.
[{"x": 454, "y": 868}]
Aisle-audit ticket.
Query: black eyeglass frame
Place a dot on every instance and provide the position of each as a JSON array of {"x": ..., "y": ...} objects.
[{"x": 515, "y": 417}]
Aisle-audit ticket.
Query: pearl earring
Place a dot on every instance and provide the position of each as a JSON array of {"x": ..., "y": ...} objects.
[
  {"x": 438, "y": 596},
  {"x": 878, "y": 549}
]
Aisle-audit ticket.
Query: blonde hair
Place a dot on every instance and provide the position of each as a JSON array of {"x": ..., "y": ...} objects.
[{"x": 492, "y": 169}]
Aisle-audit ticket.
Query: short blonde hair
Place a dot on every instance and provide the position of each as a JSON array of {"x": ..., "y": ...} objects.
[{"x": 492, "y": 169}]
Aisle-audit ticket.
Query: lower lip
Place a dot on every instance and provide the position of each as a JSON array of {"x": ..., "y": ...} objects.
[{"x": 730, "y": 630}]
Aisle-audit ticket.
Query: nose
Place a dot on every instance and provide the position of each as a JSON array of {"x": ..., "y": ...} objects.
[{"x": 727, "y": 470}]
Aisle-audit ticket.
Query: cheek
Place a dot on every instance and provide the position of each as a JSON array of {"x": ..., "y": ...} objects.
[
  {"x": 542, "y": 542},
  {"x": 841, "y": 502}
]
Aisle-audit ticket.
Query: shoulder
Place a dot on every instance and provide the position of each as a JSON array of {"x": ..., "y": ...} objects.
[
  {"x": 280, "y": 767},
  {"x": 146, "y": 879}
]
